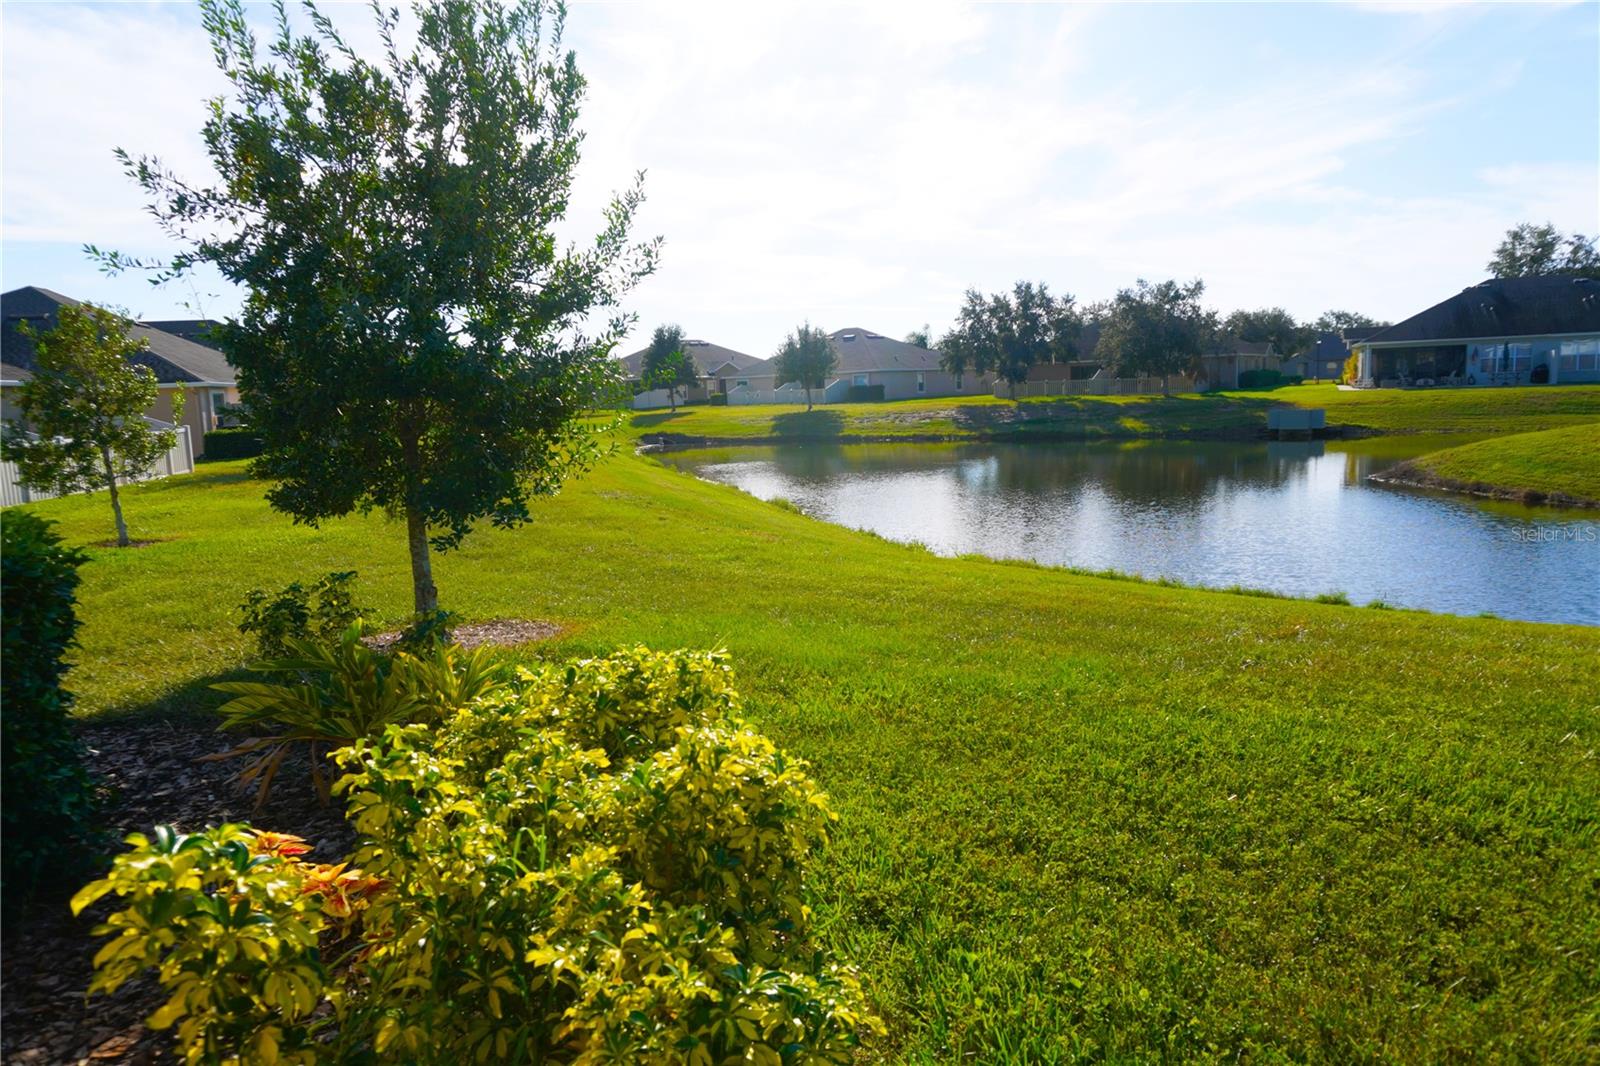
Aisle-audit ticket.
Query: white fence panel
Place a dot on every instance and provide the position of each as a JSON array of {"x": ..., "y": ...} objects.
[{"x": 179, "y": 459}]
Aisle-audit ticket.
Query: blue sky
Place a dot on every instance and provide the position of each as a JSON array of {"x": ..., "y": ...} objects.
[{"x": 861, "y": 165}]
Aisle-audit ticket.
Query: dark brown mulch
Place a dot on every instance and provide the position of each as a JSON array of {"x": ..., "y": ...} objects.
[
  {"x": 501, "y": 633},
  {"x": 151, "y": 775}
]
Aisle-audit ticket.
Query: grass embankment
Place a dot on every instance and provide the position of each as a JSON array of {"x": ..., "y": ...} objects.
[
  {"x": 1080, "y": 817},
  {"x": 1226, "y": 414},
  {"x": 1558, "y": 466}
]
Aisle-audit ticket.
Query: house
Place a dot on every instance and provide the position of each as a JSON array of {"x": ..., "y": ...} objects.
[
  {"x": 199, "y": 369},
  {"x": 868, "y": 365},
  {"x": 1506, "y": 331},
  {"x": 719, "y": 370},
  {"x": 1230, "y": 357},
  {"x": 1323, "y": 361}
]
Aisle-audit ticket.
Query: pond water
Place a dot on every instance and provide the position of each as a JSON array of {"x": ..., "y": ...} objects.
[{"x": 1297, "y": 518}]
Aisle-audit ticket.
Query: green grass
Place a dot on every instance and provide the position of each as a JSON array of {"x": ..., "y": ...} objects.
[
  {"x": 1483, "y": 411},
  {"x": 1565, "y": 461},
  {"x": 1080, "y": 817}
]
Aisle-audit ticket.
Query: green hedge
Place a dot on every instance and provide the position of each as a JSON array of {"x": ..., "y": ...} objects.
[
  {"x": 865, "y": 394},
  {"x": 1267, "y": 379},
  {"x": 232, "y": 444},
  {"x": 46, "y": 798}
]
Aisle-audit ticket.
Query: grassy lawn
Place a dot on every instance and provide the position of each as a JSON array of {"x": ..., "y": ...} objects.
[
  {"x": 1080, "y": 817},
  {"x": 1509, "y": 410},
  {"x": 1563, "y": 461}
]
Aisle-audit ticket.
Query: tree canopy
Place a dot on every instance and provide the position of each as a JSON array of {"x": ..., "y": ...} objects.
[
  {"x": 1530, "y": 250},
  {"x": 807, "y": 357},
  {"x": 1007, "y": 334},
  {"x": 1156, "y": 330},
  {"x": 667, "y": 365},
  {"x": 1339, "y": 321},
  {"x": 83, "y": 410},
  {"x": 414, "y": 337},
  {"x": 1271, "y": 325}
]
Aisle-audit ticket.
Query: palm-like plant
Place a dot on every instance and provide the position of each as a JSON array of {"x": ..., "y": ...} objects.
[{"x": 347, "y": 691}]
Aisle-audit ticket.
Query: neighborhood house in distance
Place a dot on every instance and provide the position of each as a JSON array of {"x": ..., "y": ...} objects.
[
  {"x": 1505, "y": 331},
  {"x": 177, "y": 351}
]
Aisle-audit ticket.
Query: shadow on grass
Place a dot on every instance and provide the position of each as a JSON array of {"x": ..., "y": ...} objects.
[
  {"x": 646, "y": 421},
  {"x": 808, "y": 424},
  {"x": 190, "y": 703}
]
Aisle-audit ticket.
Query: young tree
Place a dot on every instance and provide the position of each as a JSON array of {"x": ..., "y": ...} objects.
[
  {"x": 1155, "y": 329},
  {"x": 921, "y": 337},
  {"x": 806, "y": 356},
  {"x": 1010, "y": 334},
  {"x": 666, "y": 366},
  {"x": 84, "y": 409},
  {"x": 1530, "y": 250},
  {"x": 413, "y": 338}
]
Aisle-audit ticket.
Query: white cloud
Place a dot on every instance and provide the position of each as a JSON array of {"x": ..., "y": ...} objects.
[{"x": 861, "y": 165}]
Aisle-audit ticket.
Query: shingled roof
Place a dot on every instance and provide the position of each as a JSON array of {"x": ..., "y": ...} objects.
[
  {"x": 705, "y": 356},
  {"x": 172, "y": 358},
  {"x": 861, "y": 350},
  {"x": 1504, "y": 307}
]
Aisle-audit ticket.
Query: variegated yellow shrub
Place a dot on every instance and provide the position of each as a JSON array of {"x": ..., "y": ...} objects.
[{"x": 600, "y": 863}]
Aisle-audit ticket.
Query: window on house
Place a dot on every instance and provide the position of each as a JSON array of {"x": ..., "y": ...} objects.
[
  {"x": 1520, "y": 356},
  {"x": 861, "y": 379},
  {"x": 922, "y": 384}
]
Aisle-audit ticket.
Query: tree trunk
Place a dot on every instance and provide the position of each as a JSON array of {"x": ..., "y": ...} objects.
[
  {"x": 424, "y": 596},
  {"x": 808, "y": 397},
  {"x": 1164, "y": 390},
  {"x": 116, "y": 500},
  {"x": 1012, "y": 385},
  {"x": 672, "y": 398}
]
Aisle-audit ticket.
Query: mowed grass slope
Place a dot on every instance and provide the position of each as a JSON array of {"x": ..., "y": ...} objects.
[
  {"x": 1485, "y": 411},
  {"x": 1565, "y": 461},
  {"x": 1079, "y": 817}
]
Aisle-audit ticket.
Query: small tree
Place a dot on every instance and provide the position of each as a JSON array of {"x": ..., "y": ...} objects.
[
  {"x": 414, "y": 334},
  {"x": 665, "y": 364},
  {"x": 84, "y": 409},
  {"x": 922, "y": 337},
  {"x": 806, "y": 356},
  {"x": 1532, "y": 250},
  {"x": 1156, "y": 329}
]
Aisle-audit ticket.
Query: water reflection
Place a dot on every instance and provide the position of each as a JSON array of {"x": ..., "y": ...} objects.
[{"x": 1294, "y": 517}]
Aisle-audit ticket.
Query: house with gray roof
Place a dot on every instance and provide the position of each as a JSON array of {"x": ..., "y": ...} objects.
[
  {"x": 719, "y": 369},
  {"x": 1323, "y": 361},
  {"x": 868, "y": 365},
  {"x": 1505, "y": 331},
  {"x": 196, "y": 366}
]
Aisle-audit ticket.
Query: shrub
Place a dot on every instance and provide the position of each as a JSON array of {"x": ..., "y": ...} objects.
[
  {"x": 1262, "y": 379},
  {"x": 48, "y": 799},
  {"x": 343, "y": 692},
  {"x": 230, "y": 920},
  {"x": 864, "y": 394},
  {"x": 717, "y": 399},
  {"x": 222, "y": 444},
  {"x": 276, "y": 619},
  {"x": 596, "y": 863},
  {"x": 1352, "y": 369}
]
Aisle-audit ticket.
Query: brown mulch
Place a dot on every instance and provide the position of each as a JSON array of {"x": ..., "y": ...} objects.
[
  {"x": 501, "y": 633},
  {"x": 151, "y": 775}
]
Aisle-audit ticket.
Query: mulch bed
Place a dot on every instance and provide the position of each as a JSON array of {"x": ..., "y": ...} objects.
[
  {"x": 503, "y": 632},
  {"x": 151, "y": 775}
]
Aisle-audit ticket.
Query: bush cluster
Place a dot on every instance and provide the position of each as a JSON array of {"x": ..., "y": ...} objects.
[
  {"x": 297, "y": 613},
  {"x": 1267, "y": 379},
  {"x": 232, "y": 444},
  {"x": 593, "y": 863},
  {"x": 46, "y": 796}
]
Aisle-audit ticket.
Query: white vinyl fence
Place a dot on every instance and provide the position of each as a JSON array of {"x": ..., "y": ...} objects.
[{"x": 179, "y": 459}]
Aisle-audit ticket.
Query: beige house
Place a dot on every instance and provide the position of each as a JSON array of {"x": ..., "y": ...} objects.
[{"x": 192, "y": 364}]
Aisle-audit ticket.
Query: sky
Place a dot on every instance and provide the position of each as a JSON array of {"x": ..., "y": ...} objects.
[{"x": 864, "y": 164}]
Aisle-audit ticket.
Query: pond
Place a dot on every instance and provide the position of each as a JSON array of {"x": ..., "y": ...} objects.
[{"x": 1298, "y": 518}]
